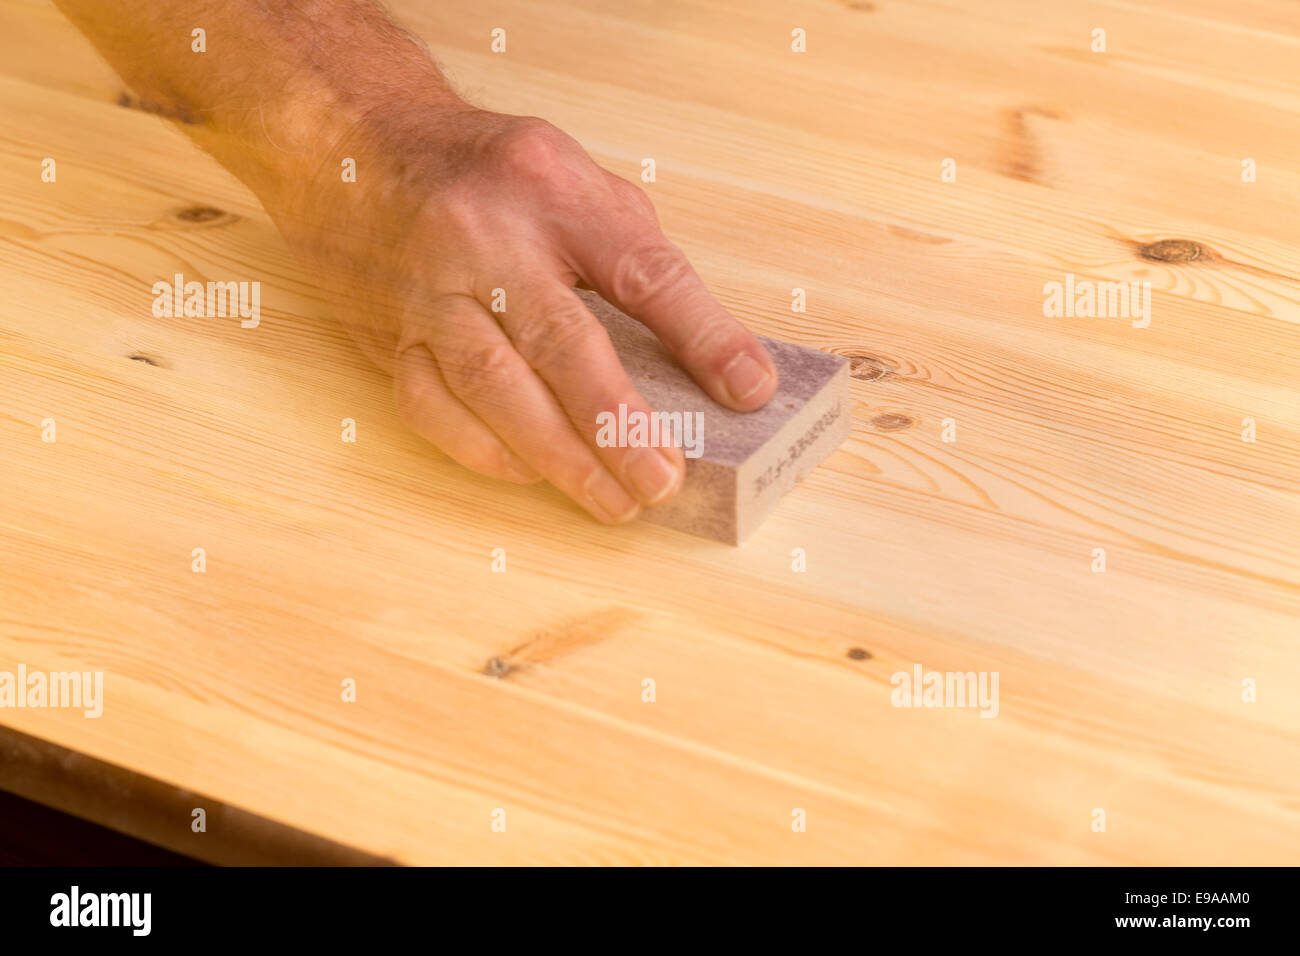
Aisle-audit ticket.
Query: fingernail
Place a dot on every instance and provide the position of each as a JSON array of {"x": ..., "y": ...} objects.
[
  {"x": 743, "y": 377},
  {"x": 651, "y": 473},
  {"x": 611, "y": 498}
]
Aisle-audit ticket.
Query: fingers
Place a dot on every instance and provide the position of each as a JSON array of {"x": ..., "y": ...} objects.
[
  {"x": 629, "y": 261},
  {"x": 569, "y": 349},
  {"x": 485, "y": 372},
  {"x": 428, "y": 407}
]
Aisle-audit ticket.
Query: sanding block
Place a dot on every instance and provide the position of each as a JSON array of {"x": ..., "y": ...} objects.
[{"x": 747, "y": 460}]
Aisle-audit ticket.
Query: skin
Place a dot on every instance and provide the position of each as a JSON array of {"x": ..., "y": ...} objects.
[{"x": 450, "y": 203}]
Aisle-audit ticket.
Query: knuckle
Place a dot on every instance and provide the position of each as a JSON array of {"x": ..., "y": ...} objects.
[
  {"x": 648, "y": 273},
  {"x": 633, "y": 195},
  {"x": 479, "y": 374},
  {"x": 717, "y": 342},
  {"x": 545, "y": 341},
  {"x": 533, "y": 149}
]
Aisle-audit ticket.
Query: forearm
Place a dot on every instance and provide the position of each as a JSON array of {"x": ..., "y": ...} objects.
[{"x": 285, "y": 90}]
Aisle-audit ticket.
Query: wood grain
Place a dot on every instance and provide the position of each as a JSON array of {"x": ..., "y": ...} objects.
[{"x": 372, "y": 561}]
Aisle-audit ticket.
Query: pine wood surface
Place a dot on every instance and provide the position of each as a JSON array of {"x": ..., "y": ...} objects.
[{"x": 522, "y": 690}]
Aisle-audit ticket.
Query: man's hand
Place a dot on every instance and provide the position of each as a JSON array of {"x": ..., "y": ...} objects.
[
  {"x": 453, "y": 256},
  {"x": 471, "y": 304}
]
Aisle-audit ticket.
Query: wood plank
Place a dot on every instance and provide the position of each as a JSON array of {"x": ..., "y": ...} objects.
[{"x": 522, "y": 690}]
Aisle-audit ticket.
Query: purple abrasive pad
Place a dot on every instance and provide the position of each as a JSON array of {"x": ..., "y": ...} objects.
[{"x": 748, "y": 460}]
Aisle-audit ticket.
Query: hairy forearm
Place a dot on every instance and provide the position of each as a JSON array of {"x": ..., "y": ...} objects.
[{"x": 285, "y": 89}]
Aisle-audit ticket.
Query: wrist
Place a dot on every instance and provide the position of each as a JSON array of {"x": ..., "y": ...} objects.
[
  {"x": 327, "y": 134},
  {"x": 365, "y": 167}
]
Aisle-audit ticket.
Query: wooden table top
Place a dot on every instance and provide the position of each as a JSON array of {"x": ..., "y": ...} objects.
[{"x": 994, "y": 450}]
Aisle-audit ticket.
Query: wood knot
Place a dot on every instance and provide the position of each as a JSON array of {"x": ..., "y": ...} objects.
[
  {"x": 859, "y": 654},
  {"x": 892, "y": 421},
  {"x": 199, "y": 214},
  {"x": 496, "y": 667},
  {"x": 1171, "y": 250},
  {"x": 868, "y": 368},
  {"x": 204, "y": 216}
]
